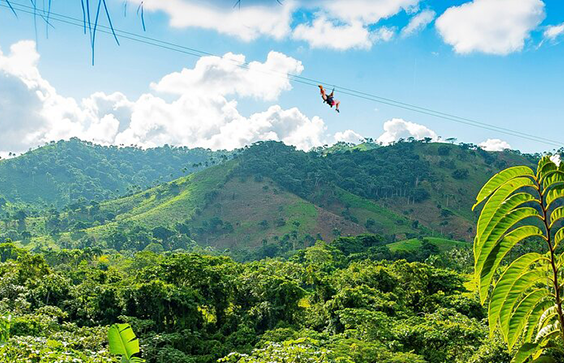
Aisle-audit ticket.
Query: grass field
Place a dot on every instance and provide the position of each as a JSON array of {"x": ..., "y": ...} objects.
[{"x": 442, "y": 243}]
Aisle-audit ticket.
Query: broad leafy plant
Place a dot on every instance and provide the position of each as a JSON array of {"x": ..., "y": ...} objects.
[
  {"x": 5, "y": 325},
  {"x": 525, "y": 302},
  {"x": 123, "y": 342}
]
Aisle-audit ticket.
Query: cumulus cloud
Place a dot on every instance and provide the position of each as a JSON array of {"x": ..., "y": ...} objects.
[
  {"x": 32, "y": 112},
  {"x": 348, "y": 24},
  {"x": 215, "y": 123},
  {"x": 195, "y": 114},
  {"x": 366, "y": 11},
  {"x": 396, "y": 129},
  {"x": 494, "y": 145},
  {"x": 336, "y": 24},
  {"x": 552, "y": 32},
  {"x": 418, "y": 23},
  {"x": 247, "y": 23},
  {"x": 495, "y": 27},
  {"x": 225, "y": 76},
  {"x": 348, "y": 136},
  {"x": 324, "y": 33}
]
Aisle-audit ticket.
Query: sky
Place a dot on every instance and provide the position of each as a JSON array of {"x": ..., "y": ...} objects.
[{"x": 498, "y": 62}]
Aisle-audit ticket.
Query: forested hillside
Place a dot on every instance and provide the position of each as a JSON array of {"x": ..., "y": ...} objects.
[
  {"x": 433, "y": 184},
  {"x": 278, "y": 199},
  {"x": 62, "y": 173}
]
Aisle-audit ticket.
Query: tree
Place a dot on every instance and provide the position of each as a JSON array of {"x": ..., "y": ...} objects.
[
  {"x": 460, "y": 174},
  {"x": 443, "y": 150},
  {"x": 526, "y": 300}
]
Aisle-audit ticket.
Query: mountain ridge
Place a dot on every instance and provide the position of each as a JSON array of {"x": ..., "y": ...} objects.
[{"x": 274, "y": 195}]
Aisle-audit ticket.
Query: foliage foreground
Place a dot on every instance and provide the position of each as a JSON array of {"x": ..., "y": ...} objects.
[
  {"x": 327, "y": 303},
  {"x": 526, "y": 299}
]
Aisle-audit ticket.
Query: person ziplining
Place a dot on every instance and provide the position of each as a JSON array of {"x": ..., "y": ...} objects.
[{"x": 329, "y": 98}]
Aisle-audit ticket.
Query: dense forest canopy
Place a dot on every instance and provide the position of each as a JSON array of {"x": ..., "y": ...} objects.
[
  {"x": 65, "y": 172},
  {"x": 331, "y": 302}
]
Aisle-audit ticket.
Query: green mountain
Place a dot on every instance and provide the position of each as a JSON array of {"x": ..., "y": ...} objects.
[
  {"x": 274, "y": 198},
  {"x": 62, "y": 173}
]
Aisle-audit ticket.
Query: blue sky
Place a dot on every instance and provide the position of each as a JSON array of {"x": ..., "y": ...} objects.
[{"x": 495, "y": 61}]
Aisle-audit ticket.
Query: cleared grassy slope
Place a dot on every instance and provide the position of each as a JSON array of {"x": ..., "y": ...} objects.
[
  {"x": 413, "y": 244},
  {"x": 234, "y": 212}
]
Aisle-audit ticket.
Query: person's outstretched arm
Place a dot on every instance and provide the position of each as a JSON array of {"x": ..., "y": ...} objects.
[{"x": 322, "y": 90}]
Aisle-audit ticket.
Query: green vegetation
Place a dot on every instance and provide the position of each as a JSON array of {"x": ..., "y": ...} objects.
[
  {"x": 414, "y": 244},
  {"x": 270, "y": 201},
  {"x": 123, "y": 342},
  {"x": 66, "y": 172},
  {"x": 265, "y": 257},
  {"x": 526, "y": 301},
  {"x": 327, "y": 303}
]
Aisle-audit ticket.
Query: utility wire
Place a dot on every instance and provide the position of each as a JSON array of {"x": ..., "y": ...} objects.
[{"x": 293, "y": 77}]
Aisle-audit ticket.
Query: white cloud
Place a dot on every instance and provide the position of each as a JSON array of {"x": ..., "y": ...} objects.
[
  {"x": 556, "y": 159},
  {"x": 199, "y": 114},
  {"x": 324, "y": 33},
  {"x": 337, "y": 24},
  {"x": 490, "y": 26},
  {"x": 494, "y": 145},
  {"x": 553, "y": 31},
  {"x": 214, "y": 122},
  {"x": 247, "y": 23},
  {"x": 225, "y": 76},
  {"x": 32, "y": 112},
  {"x": 348, "y": 136},
  {"x": 366, "y": 11},
  {"x": 383, "y": 34},
  {"x": 396, "y": 129},
  {"x": 418, "y": 23},
  {"x": 347, "y": 24}
]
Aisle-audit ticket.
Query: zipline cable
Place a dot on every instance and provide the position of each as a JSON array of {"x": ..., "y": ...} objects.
[{"x": 293, "y": 77}]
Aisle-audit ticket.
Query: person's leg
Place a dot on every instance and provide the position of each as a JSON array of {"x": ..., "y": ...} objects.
[
  {"x": 337, "y": 106},
  {"x": 322, "y": 90}
]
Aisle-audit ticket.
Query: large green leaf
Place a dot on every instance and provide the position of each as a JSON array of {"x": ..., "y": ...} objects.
[
  {"x": 545, "y": 166},
  {"x": 519, "y": 288},
  {"x": 547, "y": 317},
  {"x": 525, "y": 352},
  {"x": 521, "y": 314},
  {"x": 504, "y": 284},
  {"x": 553, "y": 195},
  {"x": 535, "y": 318},
  {"x": 499, "y": 179},
  {"x": 556, "y": 215},
  {"x": 499, "y": 251},
  {"x": 545, "y": 359},
  {"x": 500, "y": 203},
  {"x": 521, "y": 301},
  {"x": 500, "y": 196},
  {"x": 550, "y": 330},
  {"x": 485, "y": 225},
  {"x": 552, "y": 180},
  {"x": 122, "y": 341},
  {"x": 558, "y": 237},
  {"x": 506, "y": 223}
]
